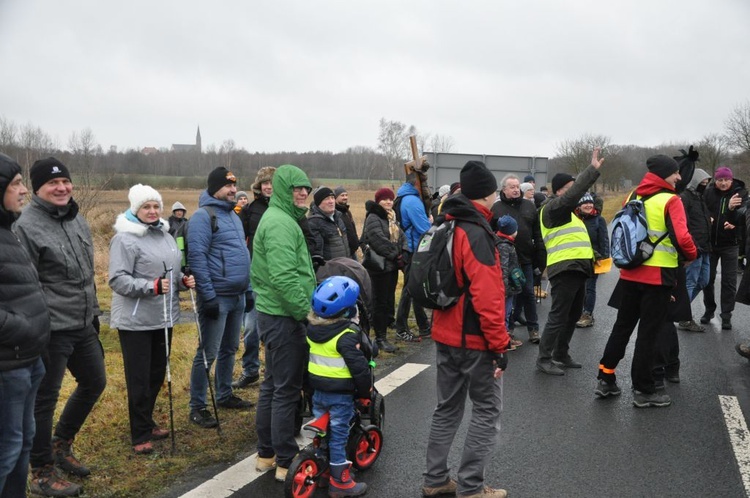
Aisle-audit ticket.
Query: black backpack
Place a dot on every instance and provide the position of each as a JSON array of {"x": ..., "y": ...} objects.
[{"x": 181, "y": 235}]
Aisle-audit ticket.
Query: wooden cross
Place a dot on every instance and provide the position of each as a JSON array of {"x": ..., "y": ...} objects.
[{"x": 414, "y": 169}]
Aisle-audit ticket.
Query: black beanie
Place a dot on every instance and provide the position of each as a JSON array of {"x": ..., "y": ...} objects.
[
  {"x": 45, "y": 170},
  {"x": 322, "y": 194},
  {"x": 560, "y": 180},
  {"x": 218, "y": 178},
  {"x": 476, "y": 180},
  {"x": 662, "y": 166}
]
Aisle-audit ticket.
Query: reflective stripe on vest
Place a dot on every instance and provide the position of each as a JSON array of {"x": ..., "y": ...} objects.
[
  {"x": 665, "y": 254},
  {"x": 325, "y": 361},
  {"x": 567, "y": 242}
]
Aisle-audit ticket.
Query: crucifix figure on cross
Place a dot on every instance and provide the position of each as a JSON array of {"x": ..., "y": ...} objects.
[{"x": 416, "y": 172}]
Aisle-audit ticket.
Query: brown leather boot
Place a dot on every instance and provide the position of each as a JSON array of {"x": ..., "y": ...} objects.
[
  {"x": 62, "y": 451},
  {"x": 46, "y": 482}
]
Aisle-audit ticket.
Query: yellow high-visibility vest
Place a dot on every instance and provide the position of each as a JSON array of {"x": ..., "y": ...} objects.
[
  {"x": 325, "y": 361},
  {"x": 567, "y": 242},
  {"x": 665, "y": 254}
]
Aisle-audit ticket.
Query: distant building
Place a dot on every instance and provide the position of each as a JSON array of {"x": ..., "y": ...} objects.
[{"x": 189, "y": 147}]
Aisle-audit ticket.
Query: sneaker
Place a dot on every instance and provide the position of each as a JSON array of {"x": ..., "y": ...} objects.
[
  {"x": 706, "y": 318},
  {"x": 487, "y": 492},
  {"x": 46, "y": 482},
  {"x": 263, "y": 464},
  {"x": 743, "y": 350},
  {"x": 585, "y": 321},
  {"x": 691, "y": 326},
  {"x": 567, "y": 363},
  {"x": 386, "y": 346},
  {"x": 449, "y": 488},
  {"x": 604, "y": 389},
  {"x": 534, "y": 336},
  {"x": 203, "y": 418},
  {"x": 157, "y": 433},
  {"x": 143, "y": 449},
  {"x": 674, "y": 378},
  {"x": 281, "y": 474},
  {"x": 62, "y": 451},
  {"x": 407, "y": 336},
  {"x": 643, "y": 400},
  {"x": 245, "y": 380},
  {"x": 235, "y": 402},
  {"x": 546, "y": 366},
  {"x": 514, "y": 344}
]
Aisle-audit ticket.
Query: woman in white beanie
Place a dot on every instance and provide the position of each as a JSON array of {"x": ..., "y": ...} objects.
[
  {"x": 144, "y": 263},
  {"x": 527, "y": 191}
]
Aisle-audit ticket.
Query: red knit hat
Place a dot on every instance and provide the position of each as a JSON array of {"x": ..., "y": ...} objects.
[{"x": 384, "y": 193}]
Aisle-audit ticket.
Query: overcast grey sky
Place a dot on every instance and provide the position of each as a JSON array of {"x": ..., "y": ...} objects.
[{"x": 499, "y": 77}]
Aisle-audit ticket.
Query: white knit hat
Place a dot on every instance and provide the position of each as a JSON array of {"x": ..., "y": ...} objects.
[
  {"x": 444, "y": 190},
  {"x": 141, "y": 194}
]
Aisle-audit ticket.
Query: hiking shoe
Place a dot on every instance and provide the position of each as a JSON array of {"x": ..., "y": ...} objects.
[
  {"x": 245, "y": 380},
  {"x": 62, "y": 452},
  {"x": 534, "y": 336},
  {"x": 143, "y": 449},
  {"x": 566, "y": 363},
  {"x": 263, "y": 464},
  {"x": 691, "y": 326},
  {"x": 46, "y": 482},
  {"x": 487, "y": 492},
  {"x": 643, "y": 400},
  {"x": 546, "y": 366},
  {"x": 386, "y": 346},
  {"x": 514, "y": 344},
  {"x": 585, "y": 321},
  {"x": 726, "y": 321},
  {"x": 604, "y": 389},
  {"x": 706, "y": 318},
  {"x": 235, "y": 402},
  {"x": 157, "y": 434},
  {"x": 449, "y": 488},
  {"x": 743, "y": 350},
  {"x": 407, "y": 336},
  {"x": 203, "y": 418},
  {"x": 281, "y": 474}
]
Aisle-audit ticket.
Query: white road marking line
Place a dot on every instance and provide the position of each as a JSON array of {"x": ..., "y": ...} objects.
[
  {"x": 738, "y": 435},
  {"x": 243, "y": 473}
]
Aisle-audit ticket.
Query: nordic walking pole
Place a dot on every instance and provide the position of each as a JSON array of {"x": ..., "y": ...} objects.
[
  {"x": 205, "y": 363},
  {"x": 166, "y": 347}
]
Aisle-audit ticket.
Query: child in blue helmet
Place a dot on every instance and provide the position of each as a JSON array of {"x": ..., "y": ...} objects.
[{"x": 339, "y": 371}]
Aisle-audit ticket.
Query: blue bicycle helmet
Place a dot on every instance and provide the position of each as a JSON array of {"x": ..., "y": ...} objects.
[{"x": 334, "y": 295}]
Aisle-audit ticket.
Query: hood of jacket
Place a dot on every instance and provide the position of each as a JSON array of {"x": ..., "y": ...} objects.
[
  {"x": 651, "y": 184},
  {"x": 507, "y": 200},
  {"x": 126, "y": 223},
  {"x": 284, "y": 180},
  {"x": 322, "y": 330},
  {"x": 373, "y": 207},
  {"x": 698, "y": 176}
]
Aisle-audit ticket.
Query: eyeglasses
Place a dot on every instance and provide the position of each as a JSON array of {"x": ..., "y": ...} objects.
[{"x": 297, "y": 190}]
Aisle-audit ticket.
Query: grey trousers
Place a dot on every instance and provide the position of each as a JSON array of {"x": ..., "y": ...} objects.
[{"x": 461, "y": 372}]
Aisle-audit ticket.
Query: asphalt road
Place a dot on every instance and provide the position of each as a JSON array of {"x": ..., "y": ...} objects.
[{"x": 559, "y": 440}]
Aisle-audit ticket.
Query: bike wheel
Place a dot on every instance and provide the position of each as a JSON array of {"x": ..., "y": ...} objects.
[
  {"x": 377, "y": 412},
  {"x": 365, "y": 447},
  {"x": 301, "y": 479}
]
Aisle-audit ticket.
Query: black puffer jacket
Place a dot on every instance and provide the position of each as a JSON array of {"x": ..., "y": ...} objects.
[
  {"x": 250, "y": 216},
  {"x": 377, "y": 234},
  {"x": 698, "y": 217},
  {"x": 351, "y": 228},
  {"x": 24, "y": 317},
  {"x": 529, "y": 243},
  {"x": 329, "y": 235},
  {"x": 717, "y": 202}
]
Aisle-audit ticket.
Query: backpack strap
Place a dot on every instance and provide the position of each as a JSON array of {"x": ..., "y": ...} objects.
[{"x": 647, "y": 197}]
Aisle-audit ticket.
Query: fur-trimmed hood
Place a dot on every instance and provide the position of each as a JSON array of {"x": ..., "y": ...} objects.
[{"x": 124, "y": 224}]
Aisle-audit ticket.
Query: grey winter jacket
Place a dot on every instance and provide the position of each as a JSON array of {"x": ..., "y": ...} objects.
[
  {"x": 138, "y": 254},
  {"x": 62, "y": 250},
  {"x": 329, "y": 235}
]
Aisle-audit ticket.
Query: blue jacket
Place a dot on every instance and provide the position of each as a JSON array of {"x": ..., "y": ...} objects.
[
  {"x": 414, "y": 220},
  {"x": 219, "y": 260}
]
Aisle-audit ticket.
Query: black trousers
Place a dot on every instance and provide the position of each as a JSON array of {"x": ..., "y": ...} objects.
[
  {"x": 646, "y": 306},
  {"x": 667, "y": 351},
  {"x": 383, "y": 300},
  {"x": 568, "y": 290},
  {"x": 728, "y": 256},
  {"x": 144, "y": 356},
  {"x": 405, "y": 304}
]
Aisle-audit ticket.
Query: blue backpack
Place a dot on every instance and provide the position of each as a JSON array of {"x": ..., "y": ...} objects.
[{"x": 630, "y": 244}]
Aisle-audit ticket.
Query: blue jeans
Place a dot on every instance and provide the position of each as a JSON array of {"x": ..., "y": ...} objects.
[
  {"x": 251, "y": 341},
  {"x": 697, "y": 274},
  {"x": 341, "y": 409},
  {"x": 220, "y": 341},
  {"x": 509, "y": 313},
  {"x": 589, "y": 301},
  {"x": 18, "y": 389}
]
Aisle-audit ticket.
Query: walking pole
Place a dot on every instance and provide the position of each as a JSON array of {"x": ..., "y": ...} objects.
[
  {"x": 169, "y": 372},
  {"x": 205, "y": 363}
]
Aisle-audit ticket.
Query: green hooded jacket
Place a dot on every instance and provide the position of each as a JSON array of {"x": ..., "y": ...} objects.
[{"x": 282, "y": 271}]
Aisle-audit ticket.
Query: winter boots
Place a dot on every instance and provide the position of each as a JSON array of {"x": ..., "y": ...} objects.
[
  {"x": 342, "y": 484},
  {"x": 62, "y": 451}
]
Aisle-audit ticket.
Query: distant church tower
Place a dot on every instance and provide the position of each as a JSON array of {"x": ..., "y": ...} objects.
[{"x": 198, "y": 140}]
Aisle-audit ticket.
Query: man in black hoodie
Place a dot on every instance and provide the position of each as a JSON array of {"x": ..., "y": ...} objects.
[{"x": 24, "y": 334}]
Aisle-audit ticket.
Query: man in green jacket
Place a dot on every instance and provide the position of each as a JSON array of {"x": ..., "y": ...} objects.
[{"x": 284, "y": 281}]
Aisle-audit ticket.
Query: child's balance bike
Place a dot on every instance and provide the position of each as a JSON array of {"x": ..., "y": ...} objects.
[{"x": 309, "y": 469}]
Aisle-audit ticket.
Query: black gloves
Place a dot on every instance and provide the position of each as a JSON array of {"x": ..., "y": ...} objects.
[
  {"x": 317, "y": 261},
  {"x": 211, "y": 309},
  {"x": 400, "y": 262},
  {"x": 249, "y": 302},
  {"x": 692, "y": 154},
  {"x": 95, "y": 323},
  {"x": 501, "y": 360}
]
